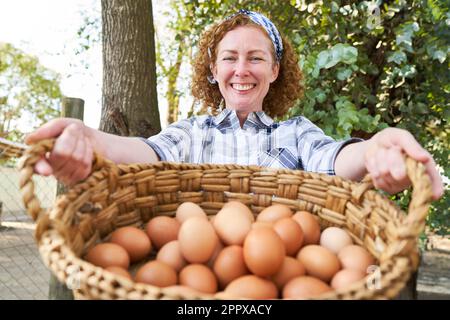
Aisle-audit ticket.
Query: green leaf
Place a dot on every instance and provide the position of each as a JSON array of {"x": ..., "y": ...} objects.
[
  {"x": 398, "y": 57},
  {"x": 344, "y": 74}
]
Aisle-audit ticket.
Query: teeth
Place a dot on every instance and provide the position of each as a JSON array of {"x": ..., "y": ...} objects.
[{"x": 238, "y": 86}]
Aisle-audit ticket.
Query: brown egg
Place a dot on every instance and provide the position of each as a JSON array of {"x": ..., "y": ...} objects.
[
  {"x": 199, "y": 277},
  {"x": 291, "y": 234},
  {"x": 170, "y": 254},
  {"x": 346, "y": 277},
  {"x": 134, "y": 241},
  {"x": 157, "y": 273},
  {"x": 264, "y": 252},
  {"x": 187, "y": 210},
  {"x": 230, "y": 265},
  {"x": 197, "y": 240},
  {"x": 119, "y": 271},
  {"x": 217, "y": 250},
  {"x": 304, "y": 287},
  {"x": 262, "y": 224},
  {"x": 232, "y": 225},
  {"x": 108, "y": 254},
  {"x": 310, "y": 227},
  {"x": 274, "y": 213},
  {"x": 290, "y": 269},
  {"x": 242, "y": 208},
  {"x": 319, "y": 262},
  {"x": 251, "y": 287},
  {"x": 335, "y": 239},
  {"x": 355, "y": 257},
  {"x": 162, "y": 230}
]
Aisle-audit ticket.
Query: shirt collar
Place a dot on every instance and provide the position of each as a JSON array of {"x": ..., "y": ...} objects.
[{"x": 253, "y": 118}]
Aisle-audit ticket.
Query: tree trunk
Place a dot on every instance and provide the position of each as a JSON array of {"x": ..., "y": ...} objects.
[{"x": 129, "y": 103}]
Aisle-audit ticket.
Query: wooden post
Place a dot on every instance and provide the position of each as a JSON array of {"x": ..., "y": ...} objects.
[{"x": 71, "y": 108}]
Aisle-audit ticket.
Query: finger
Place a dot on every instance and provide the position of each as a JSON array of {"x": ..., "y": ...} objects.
[
  {"x": 397, "y": 168},
  {"x": 436, "y": 180},
  {"x": 63, "y": 149},
  {"x": 43, "y": 168},
  {"x": 51, "y": 129},
  {"x": 372, "y": 167},
  {"x": 384, "y": 185},
  {"x": 79, "y": 158}
]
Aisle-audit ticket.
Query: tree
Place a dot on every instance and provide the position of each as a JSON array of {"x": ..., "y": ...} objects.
[
  {"x": 30, "y": 94},
  {"x": 129, "y": 104}
]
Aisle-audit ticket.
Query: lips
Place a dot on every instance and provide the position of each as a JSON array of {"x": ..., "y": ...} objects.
[{"x": 242, "y": 87}]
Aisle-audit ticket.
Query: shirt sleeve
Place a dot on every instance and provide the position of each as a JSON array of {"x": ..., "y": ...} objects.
[
  {"x": 316, "y": 150},
  {"x": 173, "y": 143}
]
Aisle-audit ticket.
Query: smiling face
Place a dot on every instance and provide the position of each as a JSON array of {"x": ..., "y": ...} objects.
[{"x": 245, "y": 68}]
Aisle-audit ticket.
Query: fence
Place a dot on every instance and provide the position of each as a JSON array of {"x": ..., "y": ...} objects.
[{"x": 22, "y": 272}]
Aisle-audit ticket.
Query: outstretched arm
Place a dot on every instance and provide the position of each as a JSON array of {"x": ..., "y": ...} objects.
[
  {"x": 383, "y": 157},
  {"x": 71, "y": 158}
]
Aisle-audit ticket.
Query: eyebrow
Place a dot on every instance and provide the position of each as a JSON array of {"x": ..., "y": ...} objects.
[{"x": 251, "y": 51}]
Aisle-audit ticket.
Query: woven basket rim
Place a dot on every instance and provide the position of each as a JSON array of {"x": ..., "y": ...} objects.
[{"x": 52, "y": 237}]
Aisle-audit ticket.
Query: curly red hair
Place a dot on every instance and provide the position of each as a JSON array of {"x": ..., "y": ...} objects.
[{"x": 283, "y": 92}]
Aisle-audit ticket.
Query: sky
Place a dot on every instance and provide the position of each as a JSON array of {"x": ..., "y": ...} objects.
[{"x": 48, "y": 30}]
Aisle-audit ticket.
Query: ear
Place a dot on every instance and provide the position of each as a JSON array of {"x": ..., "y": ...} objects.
[
  {"x": 275, "y": 71},
  {"x": 213, "y": 69}
]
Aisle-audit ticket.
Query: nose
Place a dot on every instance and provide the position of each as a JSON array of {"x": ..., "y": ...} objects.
[{"x": 241, "y": 69}]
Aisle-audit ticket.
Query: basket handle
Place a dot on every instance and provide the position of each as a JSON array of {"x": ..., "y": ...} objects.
[
  {"x": 421, "y": 197},
  {"x": 26, "y": 166}
]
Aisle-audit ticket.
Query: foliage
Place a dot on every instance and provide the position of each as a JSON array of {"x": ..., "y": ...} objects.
[
  {"x": 367, "y": 65},
  {"x": 29, "y": 93}
]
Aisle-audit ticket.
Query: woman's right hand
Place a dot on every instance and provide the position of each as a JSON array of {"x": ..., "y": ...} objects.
[{"x": 71, "y": 158}]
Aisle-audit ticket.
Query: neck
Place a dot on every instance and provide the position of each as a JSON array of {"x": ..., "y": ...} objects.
[{"x": 242, "y": 116}]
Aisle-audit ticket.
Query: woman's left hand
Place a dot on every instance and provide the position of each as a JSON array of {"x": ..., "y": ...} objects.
[{"x": 384, "y": 160}]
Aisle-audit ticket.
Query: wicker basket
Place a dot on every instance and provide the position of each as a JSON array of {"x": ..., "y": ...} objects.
[{"x": 114, "y": 196}]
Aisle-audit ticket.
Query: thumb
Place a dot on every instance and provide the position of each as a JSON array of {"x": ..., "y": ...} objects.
[{"x": 51, "y": 129}]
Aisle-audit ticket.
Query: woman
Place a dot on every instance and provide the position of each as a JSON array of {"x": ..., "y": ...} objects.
[{"x": 245, "y": 66}]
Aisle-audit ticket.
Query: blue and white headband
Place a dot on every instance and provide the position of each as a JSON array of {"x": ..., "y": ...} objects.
[{"x": 268, "y": 25}]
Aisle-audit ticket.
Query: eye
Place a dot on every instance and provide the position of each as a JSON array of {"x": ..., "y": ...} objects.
[
  {"x": 229, "y": 58},
  {"x": 256, "y": 59}
]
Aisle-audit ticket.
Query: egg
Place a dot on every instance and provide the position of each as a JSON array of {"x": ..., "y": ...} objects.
[
  {"x": 119, "y": 271},
  {"x": 291, "y": 234},
  {"x": 304, "y": 287},
  {"x": 274, "y": 212},
  {"x": 264, "y": 251},
  {"x": 242, "y": 208},
  {"x": 156, "y": 273},
  {"x": 251, "y": 287},
  {"x": 346, "y": 277},
  {"x": 335, "y": 239},
  {"x": 290, "y": 269},
  {"x": 319, "y": 262},
  {"x": 198, "y": 277},
  {"x": 230, "y": 265},
  {"x": 232, "y": 225},
  {"x": 309, "y": 225},
  {"x": 355, "y": 257},
  {"x": 187, "y": 210},
  {"x": 162, "y": 230},
  {"x": 170, "y": 254},
  {"x": 134, "y": 241},
  {"x": 262, "y": 224},
  {"x": 217, "y": 250},
  {"x": 108, "y": 254},
  {"x": 197, "y": 240}
]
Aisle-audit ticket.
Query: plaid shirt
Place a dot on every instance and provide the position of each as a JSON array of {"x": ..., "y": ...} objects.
[{"x": 294, "y": 144}]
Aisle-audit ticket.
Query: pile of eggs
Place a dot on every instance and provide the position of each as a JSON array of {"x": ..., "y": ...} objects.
[{"x": 280, "y": 255}]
